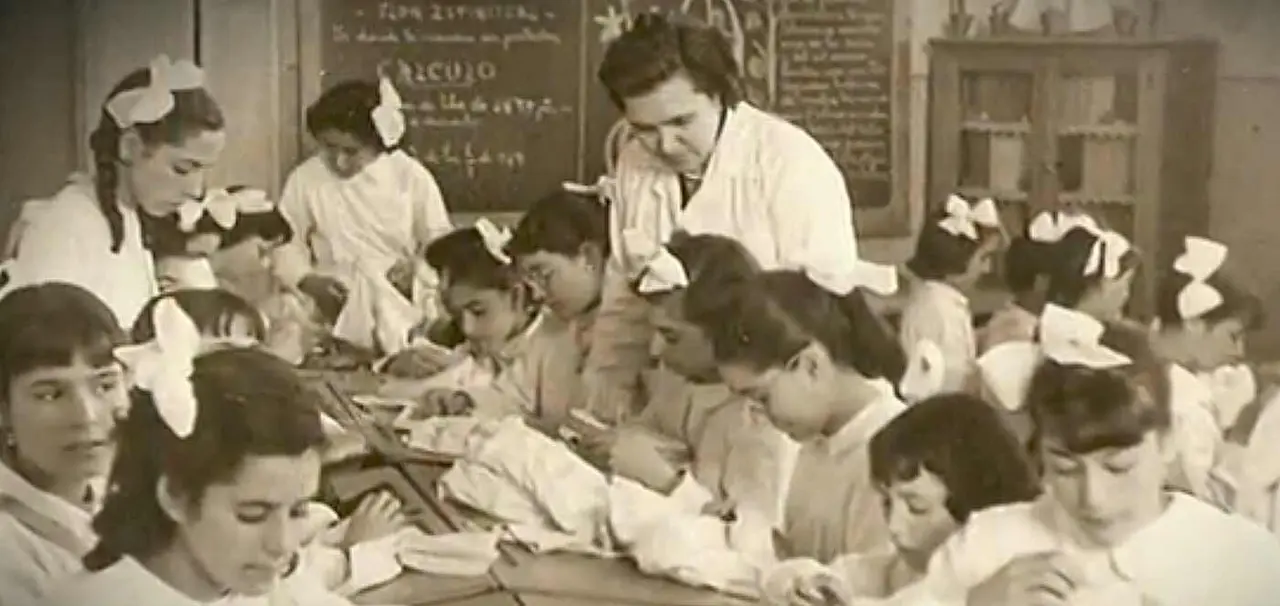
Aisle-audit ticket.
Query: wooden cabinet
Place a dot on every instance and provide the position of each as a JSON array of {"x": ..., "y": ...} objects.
[{"x": 1122, "y": 129}]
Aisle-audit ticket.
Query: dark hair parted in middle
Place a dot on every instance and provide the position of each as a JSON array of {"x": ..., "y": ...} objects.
[
  {"x": 1087, "y": 409},
  {"x": 562, "y": 223},
  {"x": 765, "y": 322},
  {"x": 461, "y": 256},
  {"x": 347, "y": 107},
  {"x": 657, "y": 47},
  {"x": 964, "y": 443},
  {"x": 250, "y": 404},
  {"x": 214, "y": 311},
  {"x": 940, "y": 253}
]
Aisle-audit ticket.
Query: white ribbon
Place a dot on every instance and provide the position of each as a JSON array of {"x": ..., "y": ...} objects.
[
  {"x": 926, "y": 372},
  {"x": 153, "y": 102},
  {"x": 1049, "y": 227},
  {"x": 388, "y": 116},
  {"x": 495, "y": 239},
  {"x": 963, "y": 219},
  {"x": 1074, "y": 338},
  {"x": 1106, "y": 255},
  {"x": 223, "y": 207},
  {"x": 605, "y": 189},
  {"x": 163, "y": 366},
  {"x": 879, "y": 279},
  {"x": 1007, "y": 369},
  {"x": 660, "y": 271},
  {"x": 1201, "y": 259}
]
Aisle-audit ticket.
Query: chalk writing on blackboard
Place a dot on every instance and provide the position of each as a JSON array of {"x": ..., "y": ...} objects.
[{"x": 479, "y": 78}]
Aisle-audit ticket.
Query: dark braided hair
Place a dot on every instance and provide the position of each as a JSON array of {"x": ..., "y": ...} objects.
[{"x": 193, "y": 111}]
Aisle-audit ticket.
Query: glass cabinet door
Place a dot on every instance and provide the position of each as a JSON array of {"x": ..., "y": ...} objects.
[
  {"x": 1094, "y": 141},
  {"x": 989, "y": 147}
]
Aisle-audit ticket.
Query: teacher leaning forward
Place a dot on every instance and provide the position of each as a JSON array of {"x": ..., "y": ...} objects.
[
  {"x": 159, "y": 133},
  {"x": 702, "y": 160}
]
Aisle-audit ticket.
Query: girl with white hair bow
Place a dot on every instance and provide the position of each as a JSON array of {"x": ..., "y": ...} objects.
[{"x": 954, "y": 249}]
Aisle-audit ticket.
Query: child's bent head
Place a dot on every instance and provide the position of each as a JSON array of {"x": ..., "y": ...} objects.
[
  {"x": 957, "y": 244},
  {"x": 940, "y": 461},
  {"x": 220, "y": 316},
  {"x": 60, "y": 385},
  {"x": 1101, "y": 411},
  {"x": 481, "y": 288},
  {"x": 226, "y": 490},
  {"x": 785, "y": 341},
  {"x": 1091, "y": 271},
  {"x": 1203, "y": 315},
  {"x": 712, "y": 266},
  {"x": 561, "y": 245},
  {"x": 341, "y": 122}
]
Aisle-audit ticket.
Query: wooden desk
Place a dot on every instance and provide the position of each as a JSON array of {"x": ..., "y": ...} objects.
[
  {"x": 414, "y": 588},
  {"x": 519, "y": 577}
]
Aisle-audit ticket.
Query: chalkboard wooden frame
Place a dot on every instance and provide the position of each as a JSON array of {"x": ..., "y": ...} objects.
[{"x": 892, "y": 220}]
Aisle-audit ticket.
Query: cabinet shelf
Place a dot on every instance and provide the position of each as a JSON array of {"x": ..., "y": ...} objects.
[{"x": 1122, "y": 129}]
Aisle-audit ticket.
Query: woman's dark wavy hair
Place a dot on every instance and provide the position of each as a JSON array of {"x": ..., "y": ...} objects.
[
  {"x": 963, "y": 442},
  {"x": 765, "y": 322},
  {"x": 194, "y": 111},
  {"x": 347, "y": 107},
  {"x": 251, "y": 404},
  {"x": 657, "y": 47},
  {"x": 215, "y": 312},
  {"x": 1087, "y": 409},
  {"x": 51, "y": 325}
]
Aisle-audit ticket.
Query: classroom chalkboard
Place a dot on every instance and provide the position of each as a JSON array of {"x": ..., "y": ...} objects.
[{"x": 503, "y": 102}]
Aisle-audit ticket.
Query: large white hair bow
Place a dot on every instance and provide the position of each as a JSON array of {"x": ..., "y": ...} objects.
[
  {"x": 1073, "y": 338},
  {"x": 963, "y": 219},
  {"x": 660, "y": 271},
  {"x": 926, "y": 372},
  {"x": 1106, "y": 255},
  {"x": 604, "y": 189},
  {"x": 164, "y": 365},
  {"x": 224, "y": 207},
  {"x": 153, "y": 102},
  {"x": 1048, "y": 227},
  {"x": 1201, "y": 259},
  {"x": 495, "y": 239},
  {"x": 1006, "y": 371},
  {"x": 879, "y": 279},
  {"x": 388, "y": 116}
]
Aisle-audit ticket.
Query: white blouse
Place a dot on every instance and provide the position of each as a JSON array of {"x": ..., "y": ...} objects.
[{"x": 67, "y": 239}]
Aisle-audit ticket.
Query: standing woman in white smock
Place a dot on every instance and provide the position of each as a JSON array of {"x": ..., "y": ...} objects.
[
  {"x": 159, "y": 133},
  {"x": 702, "y": 160}
]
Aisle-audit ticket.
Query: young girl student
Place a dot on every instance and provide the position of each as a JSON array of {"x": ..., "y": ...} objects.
[
  {"x": 821, "y": 364},
  {"x": 60, "y": 393},
  {"x": 1202, "y": 319},
  {"x": 1105, "y": 531},
  {"x": 935, "y": 465},
  {"x": 159, "y": 134},
  {"x": 499, "y": 318},
  {"x": 361, "y": 208},
  {"x": 693, "y": 428},
  {"x": 953, "y": 251},
  {"x": 219, "y": 460}
]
